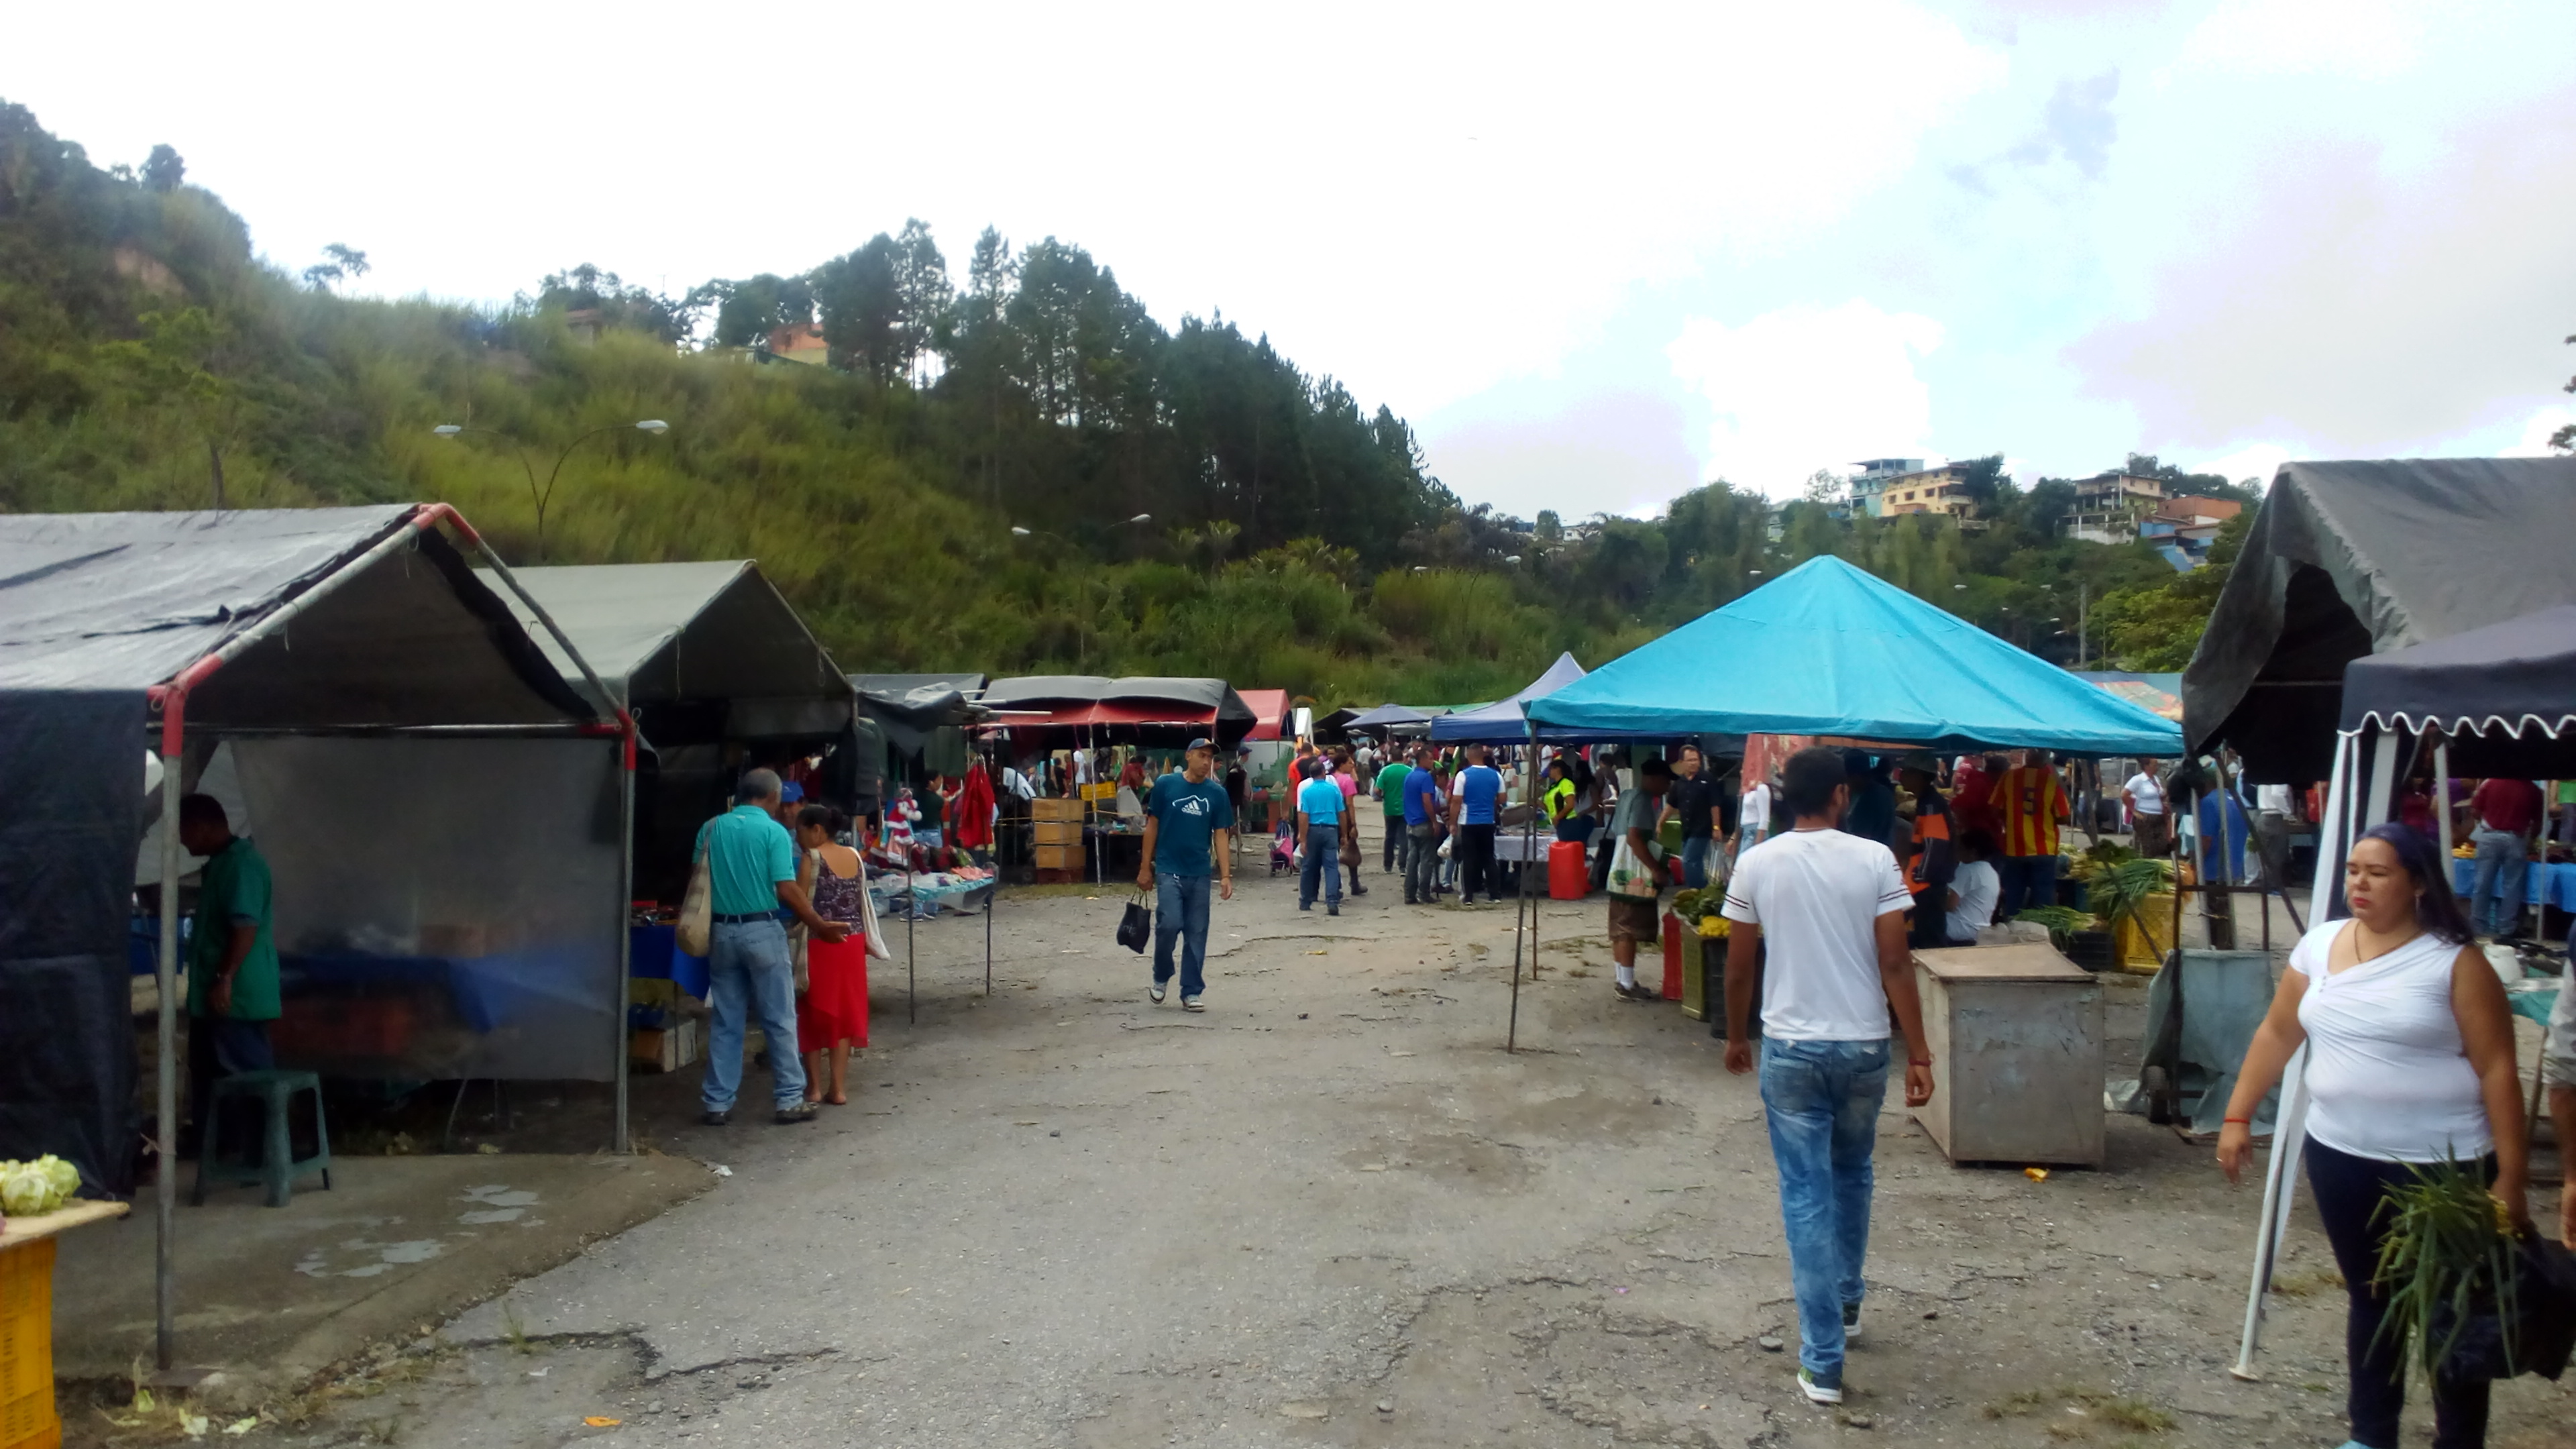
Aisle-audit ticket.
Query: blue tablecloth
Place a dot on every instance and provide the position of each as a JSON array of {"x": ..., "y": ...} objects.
[
  {"x": 655, "y": 951},
  {"x": 2541, "y": 884}
]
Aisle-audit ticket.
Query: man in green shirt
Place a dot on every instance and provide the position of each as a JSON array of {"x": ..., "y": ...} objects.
[
  {"x": 1390, "y": 800},
  {"x": 751, "y": 876},
  {"x": 231, "y": 957}
]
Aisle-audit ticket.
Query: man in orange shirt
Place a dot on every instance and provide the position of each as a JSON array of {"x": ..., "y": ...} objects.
[{"x": 2028, "y": 802}]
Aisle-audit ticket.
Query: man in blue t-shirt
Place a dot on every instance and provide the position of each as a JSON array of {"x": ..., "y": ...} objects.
[
  {"x": 1421, "y": 830},
  {"x": 1319, "y": 838},
  {"x": 1188, "y": 820},
  {"x": 1471, "y": 819}
]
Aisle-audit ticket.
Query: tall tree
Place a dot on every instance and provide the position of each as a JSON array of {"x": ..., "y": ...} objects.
[
  {"x": 862, "y": 309},
  {"x": 925, "y": 294},
  {"x": 163, "y": 170}
]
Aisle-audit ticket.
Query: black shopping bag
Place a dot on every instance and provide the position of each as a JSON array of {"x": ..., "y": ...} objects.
[{"x": 1137, "y": 926}]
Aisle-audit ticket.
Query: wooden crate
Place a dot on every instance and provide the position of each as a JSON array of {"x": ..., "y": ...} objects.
[
  {"x": 1049, "y": 875},
  {"x": 1059, "y": 857},
  {"x": 1058, "y": 832},
  {"x": 1052, "y": 808},
  {"x": 2016, "y": 1040}
]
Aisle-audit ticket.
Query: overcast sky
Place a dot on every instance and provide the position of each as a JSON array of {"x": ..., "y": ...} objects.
[{"x": 1597, "y": 255}]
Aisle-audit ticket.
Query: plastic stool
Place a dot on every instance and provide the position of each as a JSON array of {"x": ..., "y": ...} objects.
[{"x": 278, "y": 1167}]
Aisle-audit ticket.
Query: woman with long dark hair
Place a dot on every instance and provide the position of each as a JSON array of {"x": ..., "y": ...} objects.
[
  {"x": 2410, "y": 1061},
  {"x": 832, "y": 1013}
]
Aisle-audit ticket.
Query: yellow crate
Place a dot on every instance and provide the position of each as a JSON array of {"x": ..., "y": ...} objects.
[
  {"x": 27, "y": 1419},
  {"x": 2129, "y": 945}
]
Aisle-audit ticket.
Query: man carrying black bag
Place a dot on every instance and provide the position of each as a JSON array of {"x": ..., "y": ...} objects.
[{"x": 1188, "y": 820}]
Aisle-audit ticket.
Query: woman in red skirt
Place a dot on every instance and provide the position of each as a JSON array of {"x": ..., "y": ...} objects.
[{"x": 832, "y": 1014}]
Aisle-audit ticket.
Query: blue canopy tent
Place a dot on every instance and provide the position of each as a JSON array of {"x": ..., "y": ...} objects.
[
  {"x": 1826, "y": 649},
  {"x": 1502, "y": 722}
]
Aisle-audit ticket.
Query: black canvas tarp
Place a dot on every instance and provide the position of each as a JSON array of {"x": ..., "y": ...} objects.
[
  {"x": 98, "y": 609},
  {"x": 71, "y": 770},
  {"x": 2505, "y": 694},
  {"x": 1047, "y": 692},
  {"x": 2350, "y": 559}
]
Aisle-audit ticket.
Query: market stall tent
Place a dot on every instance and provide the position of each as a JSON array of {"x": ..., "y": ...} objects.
[
  {"x": 1143, "y": 710},
  {"x": 1269, "y": 713},
  {"x": 415, "y": 762},
  {"x": 1826, "y": 649},
  {"x": 2355, "y": 558},
  {"x": 1503, "y": 722},
  {"x": 920, "y": 717},
  {"x": 711, "y": 660}
]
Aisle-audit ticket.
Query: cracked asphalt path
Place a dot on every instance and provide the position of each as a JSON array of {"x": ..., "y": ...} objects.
[{"x": 1331, "y": 1210}]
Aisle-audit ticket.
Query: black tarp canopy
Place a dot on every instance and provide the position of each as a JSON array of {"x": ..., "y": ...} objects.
[
  {"x": 362, "y": 625},
  {"x": 2350, "y": 559},
  {"x": 1149, "y": 709},
  {"x": 2505, "y": 695}
]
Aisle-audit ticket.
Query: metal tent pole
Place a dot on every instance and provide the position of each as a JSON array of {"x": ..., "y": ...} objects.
[
  {"x": 619, "y": 1141},
  {"x": 165, "y": 1172},
  {"x": 2442, "y": 795},
  {"x": 2289, "y": 1127},
  {"x": 911, "y": 914}
]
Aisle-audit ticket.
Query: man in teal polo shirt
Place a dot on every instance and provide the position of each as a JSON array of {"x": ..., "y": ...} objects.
[
  {"x": 231, "y": 956},
  {"x": 751, "y": 873}
]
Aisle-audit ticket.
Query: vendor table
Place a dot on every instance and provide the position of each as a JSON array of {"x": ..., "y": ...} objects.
[
  {"x": 27, "y": 1417},
  {"x": 939, "y": 892},
  {"x": 655, "y": 951},
  {"x": 2542, "y": 885}
]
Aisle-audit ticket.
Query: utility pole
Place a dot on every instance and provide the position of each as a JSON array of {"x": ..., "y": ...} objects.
[{"x": 2083, "y": 599}]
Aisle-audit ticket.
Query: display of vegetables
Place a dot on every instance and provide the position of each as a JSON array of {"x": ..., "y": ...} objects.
[{"x": 29, "y": 1188}]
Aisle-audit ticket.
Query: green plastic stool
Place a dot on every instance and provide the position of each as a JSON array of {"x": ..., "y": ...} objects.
[{"x": 278, "y": 1167}]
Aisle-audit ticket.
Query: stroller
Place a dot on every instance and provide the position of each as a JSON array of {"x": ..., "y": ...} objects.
[{"x": 1283, "y": 850}]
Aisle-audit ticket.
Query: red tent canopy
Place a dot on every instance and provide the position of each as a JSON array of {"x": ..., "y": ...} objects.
[
  {"x": 1269, "y": 708},
  {"x": 1169, "y": 713}
]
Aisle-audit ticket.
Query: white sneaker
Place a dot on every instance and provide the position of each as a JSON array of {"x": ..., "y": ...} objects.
[
  {"x": 1192, "y": 1003},
  {"x": 1851, "y": 1323},
  {"x": 1155, "y": 992},
  {"x": 1818, "y": 1393}
]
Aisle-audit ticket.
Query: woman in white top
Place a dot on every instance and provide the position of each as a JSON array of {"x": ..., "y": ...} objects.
[
  {"x": 2410, "y": 1061},
  {"x": 2148, "y": 820}
]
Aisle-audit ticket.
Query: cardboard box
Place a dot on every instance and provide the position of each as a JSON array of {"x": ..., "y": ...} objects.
[
  {"x": 1053, "y": 808},
  {"x": 666, "y": 1049},
  {"x": 1058, "y": 832},
  {"x": 1059, "y": 857}
]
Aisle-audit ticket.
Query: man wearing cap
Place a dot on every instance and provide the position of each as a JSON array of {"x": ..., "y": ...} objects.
[{"x": 1188, "y": 823}]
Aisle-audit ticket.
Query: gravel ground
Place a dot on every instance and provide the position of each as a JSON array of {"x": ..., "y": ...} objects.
[{"x": 1332, "y": 1210}]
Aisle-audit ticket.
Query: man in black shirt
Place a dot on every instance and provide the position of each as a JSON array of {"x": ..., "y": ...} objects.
[{"x": 1694, "y": 800}]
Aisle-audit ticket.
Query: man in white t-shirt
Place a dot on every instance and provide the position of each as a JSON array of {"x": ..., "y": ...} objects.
[
  {"x": 2150, "y": 826},
  {"x": 1831, "y": 909}
]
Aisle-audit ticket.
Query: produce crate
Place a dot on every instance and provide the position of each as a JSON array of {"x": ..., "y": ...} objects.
[
  {"x": 1051, "y": 807},
  {"x": 1059, "y": 857},
  {"x": 1058, "y": 832},
  {"x": 27, "y": 1418},
  {"x": 2130, "y": 948}
]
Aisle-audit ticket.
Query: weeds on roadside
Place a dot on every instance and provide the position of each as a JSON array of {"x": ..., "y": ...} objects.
[{"x": 2088, "y": 1409}]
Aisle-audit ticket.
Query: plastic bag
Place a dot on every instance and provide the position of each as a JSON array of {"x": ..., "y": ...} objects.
[
  {"x": 697, "y": 911},
  {"x": 1136, "y": 927}
]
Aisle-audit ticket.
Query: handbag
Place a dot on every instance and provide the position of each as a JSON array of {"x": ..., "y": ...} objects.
[
  {"x": 1351, "y": 846},
  {"x": 1136, "y": 927},
  {"x": 697, "y": 910},
  {"x": 1634, "y": 878}
]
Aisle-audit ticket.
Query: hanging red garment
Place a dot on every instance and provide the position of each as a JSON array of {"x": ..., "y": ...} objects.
[{"x": 972, "y": 822}]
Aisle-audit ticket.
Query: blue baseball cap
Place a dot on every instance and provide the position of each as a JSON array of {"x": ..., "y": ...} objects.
[{"x": 790, "y": 793}]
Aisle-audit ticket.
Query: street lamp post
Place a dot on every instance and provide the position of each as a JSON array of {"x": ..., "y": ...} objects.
[{"x": 541, "y": 496}]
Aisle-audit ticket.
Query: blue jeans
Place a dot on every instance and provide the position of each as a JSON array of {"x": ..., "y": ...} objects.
[
  {"x": 2028, "y": 880},
  {"x": 747, "y": 966},
  {"x": 1324, "y": 858},
  {"x": 1181, "y": 912},
  {"x": 1821, "y": 1099},
  {"x": 1696, "y": 849},
  {"x": 2501, "y": 862}
]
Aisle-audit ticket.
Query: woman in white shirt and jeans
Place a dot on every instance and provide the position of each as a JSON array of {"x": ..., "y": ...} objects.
[{"x": 2410, "y": 1061}]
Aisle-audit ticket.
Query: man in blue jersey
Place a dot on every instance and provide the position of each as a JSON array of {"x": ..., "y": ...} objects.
[
  {"x": 1188, "y": 820},
  {"x": 1471, "y": 820},
  {"x": 1421, "y": 830}
]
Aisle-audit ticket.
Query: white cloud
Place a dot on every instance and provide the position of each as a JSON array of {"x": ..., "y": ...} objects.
[
  {"x": 2536, "y": 431},
  {"x": 1802, "y": 388},
  {"x": 2257, "y": 461},
  {"x": 2364, "y": 39}
]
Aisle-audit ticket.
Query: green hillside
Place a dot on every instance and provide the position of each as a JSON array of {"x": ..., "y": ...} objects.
[{"x": 1294, "y": 539}]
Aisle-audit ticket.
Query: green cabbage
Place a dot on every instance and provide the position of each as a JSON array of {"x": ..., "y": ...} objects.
[{"x": 29, "y": 1188}]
